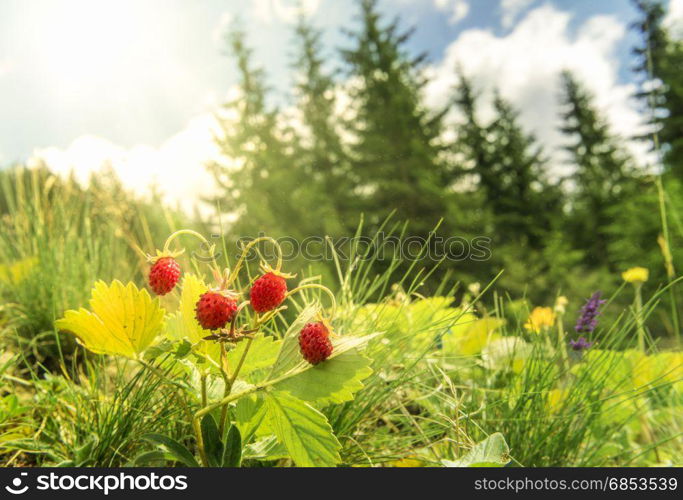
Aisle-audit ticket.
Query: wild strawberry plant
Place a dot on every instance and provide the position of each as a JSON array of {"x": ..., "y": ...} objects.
[{"x": 253, "y": 383}]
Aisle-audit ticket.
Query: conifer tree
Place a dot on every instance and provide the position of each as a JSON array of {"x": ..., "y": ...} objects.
[
  {"x": 396, "y": 151},
  {"x": 525, "y": 201},
  {"x": 601, "y": 178},
  {"x": 507, "y": 165},
  {"x": 320, "y": 151},
  {"x": 659, "y": 65},
  {"x": 255, "y": 172}
]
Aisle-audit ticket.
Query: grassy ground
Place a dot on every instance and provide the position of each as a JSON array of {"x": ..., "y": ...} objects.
[{"x": 446, "y": 374}]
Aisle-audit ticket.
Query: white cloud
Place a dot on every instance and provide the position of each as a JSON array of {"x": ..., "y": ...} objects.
[
  {"x": 511, "y": 9},
  {"x": 270, "y": 11},
  {"x": 176, "y": 168},
  {"x": 674, "y": 18},
  {"x": 525, "y": 65},
  {"x": 458, "y": 9}
]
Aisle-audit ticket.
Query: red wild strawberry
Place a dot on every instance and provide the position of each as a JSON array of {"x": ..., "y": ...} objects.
[
  {"x": 314, "y": 342},
  {"x": 164, "y": 275},
  {"x": 268, "y": 292},
  {"x": 214, "y": 310}
]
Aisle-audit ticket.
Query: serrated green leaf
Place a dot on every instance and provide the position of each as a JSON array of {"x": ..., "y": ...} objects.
[
  {"x": 491, "y": 452},
  {"x": 333, "y": 381},
  {"x": 232, "y": 455},
  {"x": 303, "y": 430},
  {"x": 250, "y": 411},
  {"x": 184, "y": 325},
  {"x": 262, "y": 353},
  {"x": 124, "y": 320},
  {"x": 192, "y": 288},
  {"x": 266, "y": 448},
  {"x": 289, "y": 356},
  {"x": 179, "y": 452}
]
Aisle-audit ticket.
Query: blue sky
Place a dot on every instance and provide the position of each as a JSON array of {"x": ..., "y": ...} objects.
[{"x": 138, "y": 76}]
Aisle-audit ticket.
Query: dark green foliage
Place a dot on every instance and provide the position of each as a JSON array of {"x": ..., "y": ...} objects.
[
  {"x": 601, "y": 177},
  {"x": 320, "y": 153},
  {"x": 384, "y": 151},
  {"x": 100, "y": 422},
  {"x": 232, "y": 454},
  {"x": 259, "y": 191},
  {"x": 395, "y": 154},
  {"x": 524, "y": 202},
  {"x": 659, "y": 66}
]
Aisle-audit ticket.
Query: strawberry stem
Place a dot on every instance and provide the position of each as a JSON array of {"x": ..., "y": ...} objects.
[
  {"x": 245, "y": 252},
  {"x": 320, "y": 287},
  {"x": 190, "y": 232}
]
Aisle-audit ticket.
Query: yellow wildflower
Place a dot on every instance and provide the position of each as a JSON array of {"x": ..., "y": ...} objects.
[
  {"x": 636, "y": 275},
  {"x": 540, "y": 319}
]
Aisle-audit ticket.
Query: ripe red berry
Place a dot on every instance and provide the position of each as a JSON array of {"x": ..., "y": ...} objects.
[
  {"x": 214, "y": 310},
  {"x": 164, "y": 275},
  {"x": 314, "y": 342},
  {"x": 268, "y": 292}
]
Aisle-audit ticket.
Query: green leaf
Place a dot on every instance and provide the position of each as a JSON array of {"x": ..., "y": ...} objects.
[
  {"x": 469, "y": 335},
  {"x": 331, "y": 382},
  {"x": 123, "y": 320},
  {"x": 184, "y": 325},
  {"x": 289, "y": 356},
  {"x": 250, "y": 412},
  {"x": 303, "y": 430},
  {"x": 213, "y": 446},
  {"x": 173, "y": 447},
  {"x": 266, "y": 449},
  {"x": 151, "y": 457},
  {"x": 491, "y": 452},
  {"x": 192, "y": 288},
  {"x": 290, "y": 360},
  {"x": 262, "y": 353},
  {"x": 183, "y": 349},
  {"x": 232, "y": 455}
]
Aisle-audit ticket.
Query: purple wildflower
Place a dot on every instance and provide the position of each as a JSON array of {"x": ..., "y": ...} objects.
[
  {"x": 588, "y": 319},
  {"x": 581, "y": 344}
]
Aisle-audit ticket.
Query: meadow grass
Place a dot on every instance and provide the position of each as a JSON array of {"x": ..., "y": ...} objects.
[{"x": 440, "y": 381}]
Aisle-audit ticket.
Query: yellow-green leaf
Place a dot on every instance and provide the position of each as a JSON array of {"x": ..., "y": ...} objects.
[
  {"x": 263, "y": 352},
  {"x": 183, "y": 324},
  {"x": 192, "y": 288},
  {"x": 331, "y": 382},
  {"x": 289, "y": 358},
  {"x": 123, "y": 320},
  {"x": 303, "y": 430},
  {"x": 469, "y": 335}
]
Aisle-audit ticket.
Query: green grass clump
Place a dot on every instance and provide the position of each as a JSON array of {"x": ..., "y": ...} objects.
[{"x": 56, "y": 240}]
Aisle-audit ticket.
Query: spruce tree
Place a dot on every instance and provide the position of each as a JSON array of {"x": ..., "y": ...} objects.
[
  {"x": 396, "y": 149},
  {"x": 321, "y": 153},
  {"x": 525, "y": 202},
  {"x": 507, "y": 165},
  {"x": 255, "y": 172},
  {"x": 601, "y": 177},
  {"x": 660, "y": 65}
]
